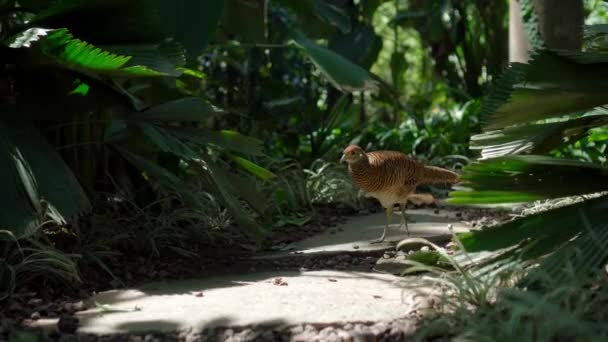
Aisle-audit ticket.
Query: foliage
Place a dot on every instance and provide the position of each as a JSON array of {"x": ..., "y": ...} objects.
[
  {"x": 478, "y": 306},
  {"x": 546, "y": 106},
  {"x": 174, "y": 119}
]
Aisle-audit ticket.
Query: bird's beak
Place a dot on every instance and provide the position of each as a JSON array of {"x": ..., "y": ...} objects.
[{"x": 343, "y": 159}]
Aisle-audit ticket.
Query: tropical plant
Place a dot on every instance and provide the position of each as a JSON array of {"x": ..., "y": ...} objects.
[
  {"x": 89, "y": 85},
  {"x": 533, "y": 110}
]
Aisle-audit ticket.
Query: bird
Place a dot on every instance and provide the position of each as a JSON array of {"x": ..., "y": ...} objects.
[{"x": 391, "y": 177}]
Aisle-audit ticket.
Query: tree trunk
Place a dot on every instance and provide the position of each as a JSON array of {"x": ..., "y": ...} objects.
[
  {"x": 519, "y": 45},
  {"x": 560, "y": 23}
]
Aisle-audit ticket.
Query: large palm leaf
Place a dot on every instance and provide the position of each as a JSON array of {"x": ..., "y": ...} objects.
[{"x": 535, "y": 108}]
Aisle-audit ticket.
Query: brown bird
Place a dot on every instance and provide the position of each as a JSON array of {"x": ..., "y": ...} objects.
[{"x": 391, "y": 177}]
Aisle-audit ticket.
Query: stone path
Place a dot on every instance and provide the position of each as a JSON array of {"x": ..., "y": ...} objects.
[
  {"x": 276, "y": 298},
  {"x": 356, "y": 234}
]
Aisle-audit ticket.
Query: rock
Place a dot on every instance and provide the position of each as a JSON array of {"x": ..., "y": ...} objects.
[
  {"x": 67, "y": 324},
  {"x": 76, "y": 306}
]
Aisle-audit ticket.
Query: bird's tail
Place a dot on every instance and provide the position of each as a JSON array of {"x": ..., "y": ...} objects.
[{"x": 433, "y": 174}]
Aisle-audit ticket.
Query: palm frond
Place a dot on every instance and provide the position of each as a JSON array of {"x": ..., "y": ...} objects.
[
  {"x": 535, "y": 138},
  {"x": 37, "y": 183},
  {"x": 528, "y": 178},
  {"x": 553, "y": 84}
]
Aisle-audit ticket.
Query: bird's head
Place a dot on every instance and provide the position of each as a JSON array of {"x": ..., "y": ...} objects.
[{"x": 352, "y": 154}]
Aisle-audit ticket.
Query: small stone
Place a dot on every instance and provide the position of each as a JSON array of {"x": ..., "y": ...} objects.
[
  {"x": 386, "y": 256},
  {"x": 77, "y": 306},
  {"x": 67, "y": 324}
]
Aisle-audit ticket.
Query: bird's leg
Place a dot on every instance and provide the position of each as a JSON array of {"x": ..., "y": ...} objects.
[
  {"x": 402, "y": 206},
  {"x": 389, "y": 215}
]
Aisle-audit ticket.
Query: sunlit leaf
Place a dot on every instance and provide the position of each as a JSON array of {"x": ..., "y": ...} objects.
[
  {"x": 67, "y": 52},
  {"x": 253, "y": 168}
]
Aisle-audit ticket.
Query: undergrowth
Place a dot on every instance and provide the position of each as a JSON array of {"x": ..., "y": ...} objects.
[
  {"x": 476, "y": 305},
  {"x": 168, "y": 227}
]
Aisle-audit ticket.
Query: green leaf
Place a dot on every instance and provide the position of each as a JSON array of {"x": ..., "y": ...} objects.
[
  {"x": 151, "y": 168},
  {"x": 166, "y": 57},
  {"x": 37, "y": 181},
  {"x": 361, "y": 46},
  {"x": 333, "y": 15},
  {"x": 342, "y": 73},
  {"x": 226, "y": 190},
  {"x": 528, "y": 178},
  {"x": 535, "y": 138},
  {"x": 73, "y": 54},
  {"x": 253, "y": 168},
  {"x": 166, "y": 141},
  {"x": 227, "y": 140},
  {"x": 181, "y": 110},
  {"x": 551, "y": 85},
  {"x": 546, "y": 229}
]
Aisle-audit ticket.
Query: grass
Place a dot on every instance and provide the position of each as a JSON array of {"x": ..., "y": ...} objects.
[{"x": 477, "y": 305}]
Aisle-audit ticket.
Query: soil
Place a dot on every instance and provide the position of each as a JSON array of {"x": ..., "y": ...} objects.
[{"x": 33, "y": 303}]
